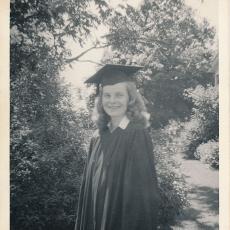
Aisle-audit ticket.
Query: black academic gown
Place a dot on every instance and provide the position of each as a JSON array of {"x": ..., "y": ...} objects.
[{"x": 119, "y": 189}]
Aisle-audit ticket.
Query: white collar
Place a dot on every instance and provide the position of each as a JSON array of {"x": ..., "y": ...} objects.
[{"x": 123, "y": 123}]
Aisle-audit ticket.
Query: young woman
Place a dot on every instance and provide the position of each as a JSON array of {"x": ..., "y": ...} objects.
[{"x": 119, "y": 189}]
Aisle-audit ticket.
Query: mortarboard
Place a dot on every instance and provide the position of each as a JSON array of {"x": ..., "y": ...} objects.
[{"x": 111, "y": 74}]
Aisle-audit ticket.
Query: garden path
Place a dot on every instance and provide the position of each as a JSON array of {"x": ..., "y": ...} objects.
[{"x": 203, "y": 184}]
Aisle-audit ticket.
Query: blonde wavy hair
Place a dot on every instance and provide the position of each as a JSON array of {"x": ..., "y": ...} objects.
[{"x": 136, "y": 110}]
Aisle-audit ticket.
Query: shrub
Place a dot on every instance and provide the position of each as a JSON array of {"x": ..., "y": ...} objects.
[
  {"x": 204, "y": 121},
  {"x": 209, "y": 153},
  {"x": 46, "y": 171},
  {"x": 173, "y": 190},
  {"x": 191, "y": 137}
]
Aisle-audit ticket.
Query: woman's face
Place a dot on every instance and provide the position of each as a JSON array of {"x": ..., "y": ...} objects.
[{"x": 115, "y": 100}]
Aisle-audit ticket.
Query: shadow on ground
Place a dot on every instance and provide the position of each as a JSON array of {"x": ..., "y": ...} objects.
[
  {"x": 208, "y": 196},
  {"x": 203, "y": 211}
]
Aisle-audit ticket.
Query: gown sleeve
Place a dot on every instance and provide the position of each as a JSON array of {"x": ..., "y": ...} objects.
[
  {"x": 82, "y": 201},
  {"x": 140, "y": 189}
]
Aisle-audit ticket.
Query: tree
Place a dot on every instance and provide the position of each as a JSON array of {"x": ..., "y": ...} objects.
[{"x": 175, "y": 50}]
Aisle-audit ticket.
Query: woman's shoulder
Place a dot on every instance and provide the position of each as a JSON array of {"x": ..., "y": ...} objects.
[
  {"x": 136, "y": 126},
  {"x": 137, "y": 129},
  {"x": 139, "y": 137}
]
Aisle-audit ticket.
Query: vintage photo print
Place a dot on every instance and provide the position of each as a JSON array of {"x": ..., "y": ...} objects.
[{"x": 115, "y": 114}]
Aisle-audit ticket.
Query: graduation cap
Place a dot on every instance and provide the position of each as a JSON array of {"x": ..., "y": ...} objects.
[{"x": 111, "y": 74}]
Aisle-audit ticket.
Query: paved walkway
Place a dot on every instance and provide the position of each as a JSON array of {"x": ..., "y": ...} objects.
[{"x": 203, "y": 196}]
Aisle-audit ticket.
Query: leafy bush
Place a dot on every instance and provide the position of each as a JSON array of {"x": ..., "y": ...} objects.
[
  {"x": 46, "y": 173},
  {"x": 191, "y": 137},
  {"x": 204, "y": 121},
  {"x": 209, "y": 153},
  {"x": 173, "y": 190},
  {"x": 47, "y": 160}
]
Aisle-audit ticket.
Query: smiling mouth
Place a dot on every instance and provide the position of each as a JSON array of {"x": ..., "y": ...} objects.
[{"x": 114, "y": 107}]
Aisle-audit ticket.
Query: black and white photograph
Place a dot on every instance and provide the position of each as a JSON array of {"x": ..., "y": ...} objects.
[{"x": 114, "y": 115}]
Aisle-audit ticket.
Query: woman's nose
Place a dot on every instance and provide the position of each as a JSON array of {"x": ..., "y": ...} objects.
[{"x": 112, "y": 99}]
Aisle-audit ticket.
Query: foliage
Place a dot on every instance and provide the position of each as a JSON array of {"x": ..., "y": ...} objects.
[
  {"x": 47, "y": 160},
  {"x": 208, "y": 153},
  {"x": 204, "y": 121},
  {"x": 53, "y": 21},
  {"x": 47, "y": 155},
  {"x": 175, "y": 50},
  {"x": 172, "y": 185}
]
